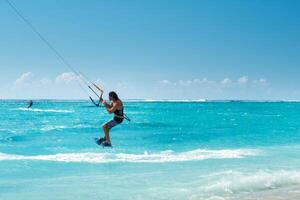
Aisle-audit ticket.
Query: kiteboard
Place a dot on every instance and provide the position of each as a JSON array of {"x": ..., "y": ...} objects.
[{"x": 100, "y": 142}]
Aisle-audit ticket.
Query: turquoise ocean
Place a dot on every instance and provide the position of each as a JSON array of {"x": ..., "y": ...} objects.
[{"x": 170, "y": 150}]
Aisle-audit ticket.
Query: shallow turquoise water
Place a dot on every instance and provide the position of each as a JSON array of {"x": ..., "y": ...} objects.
[{"x": 170, "y": 150}]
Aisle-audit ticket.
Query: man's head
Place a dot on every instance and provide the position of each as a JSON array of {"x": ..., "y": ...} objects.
[{"x": 113, "y": 96}]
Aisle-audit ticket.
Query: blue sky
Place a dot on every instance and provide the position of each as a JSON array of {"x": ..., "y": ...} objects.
[{"x": 153, "y": 49}]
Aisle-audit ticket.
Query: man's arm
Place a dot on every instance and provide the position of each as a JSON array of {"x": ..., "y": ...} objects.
[{"x": 111, "y": 108}]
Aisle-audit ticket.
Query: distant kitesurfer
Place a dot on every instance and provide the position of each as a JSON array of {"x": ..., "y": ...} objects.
[
  {"x": 30, "y": 103},
  {"x": 116, "y": 108}
]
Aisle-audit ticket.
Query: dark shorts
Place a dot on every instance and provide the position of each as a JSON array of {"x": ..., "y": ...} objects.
[{"x": 112, "y": 123}]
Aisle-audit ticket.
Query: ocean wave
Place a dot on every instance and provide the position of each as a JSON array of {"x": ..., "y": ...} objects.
[
  {"x": 51, "y": 128},
  {"x": 167, "y": 100},
  {"x": 161, "y": 157},
  {"x": 233, "y": 182},
  {"x": 45, "y": 110},
  {"x": 61, "y": 127}
]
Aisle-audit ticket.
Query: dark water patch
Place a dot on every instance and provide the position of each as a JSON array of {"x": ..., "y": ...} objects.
[
  {"x": 10, "y": 139},
  {"x": 151, "y": 124},
  {"x": 91, "y": 106}
]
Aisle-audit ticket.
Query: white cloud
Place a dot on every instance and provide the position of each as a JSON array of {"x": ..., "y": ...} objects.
[
  {"x": 241, "y": 87},
  {"x": 185, "y": 82},
  {"x": 204, "y": 82},
  {"x": 66, "y": 77},
  {"x": 226, "y": 81},
  {"x": 165, "y": 82},
  {"x": 196, "y": 80},
  {"x": 24, "y": 78},
  {"x": 42, "y": 82},
  {"x": 243, "y": 80},
  {"x": 260, "y": 81},
  {"x": 28, "y": 79},
  {"x": 207, "y": 81}
]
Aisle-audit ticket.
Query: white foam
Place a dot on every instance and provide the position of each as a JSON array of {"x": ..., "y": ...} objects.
[
  {"x": 161, "y": 157},
  {"x": 45, "y": 110},
  {"x": 50, "y": 128},
  {"x": 235, "y": 182},
  {"x": 61, "y": 127}
]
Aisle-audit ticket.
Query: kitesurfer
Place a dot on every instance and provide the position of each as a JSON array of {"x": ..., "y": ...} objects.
[
  {"x": 30, "y": 103},
  {"x": 116, "y": 108}
]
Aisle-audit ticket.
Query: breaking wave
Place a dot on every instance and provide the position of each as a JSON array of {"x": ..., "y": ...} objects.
[
  {"x": 235, "y": 182},
  {"x": 62, "y": 127},
  {"x": 45, "y": 110},
  {"x": 161, "y": 157}
]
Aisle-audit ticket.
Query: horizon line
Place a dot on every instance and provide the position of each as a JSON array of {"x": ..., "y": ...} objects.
[{"x": 157, "y": 100}]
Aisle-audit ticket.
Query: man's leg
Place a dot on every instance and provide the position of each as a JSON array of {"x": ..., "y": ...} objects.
[{"x": 106, "y": 132}]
